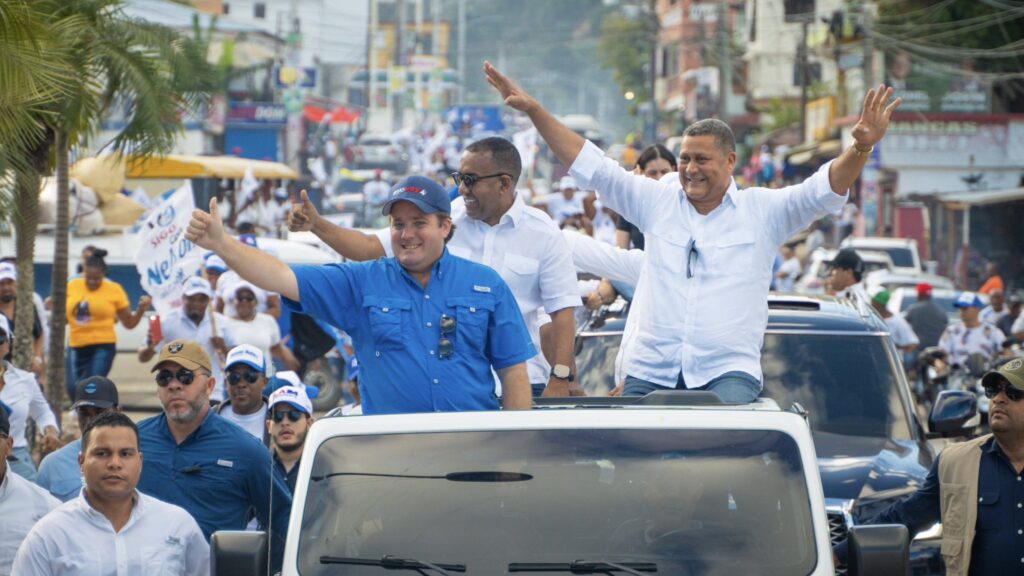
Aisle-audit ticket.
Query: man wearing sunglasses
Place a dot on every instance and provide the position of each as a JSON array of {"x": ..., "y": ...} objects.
[
  {"x": 246, "y": 375},
  {"x": 427, "y": 326},
  {"x": 497, "y": 229},
  {"x": 976, "y": 489},
  {"x": 200, "y": 461},
  {"x": 291, "y": 415}
]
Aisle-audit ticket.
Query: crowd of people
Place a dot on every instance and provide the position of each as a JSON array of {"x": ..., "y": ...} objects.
[{"x": 467, "y": 301}]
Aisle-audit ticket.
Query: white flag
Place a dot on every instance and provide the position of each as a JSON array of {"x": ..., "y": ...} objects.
[{"x": 165, "y": 258}]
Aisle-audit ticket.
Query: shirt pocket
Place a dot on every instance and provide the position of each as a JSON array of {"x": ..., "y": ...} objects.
[
  {"x": 472, "y": 315},
  {"x": 521, "y": 273},
  {"x": 734, "y": 252},
  {"x": 954, "y": 508},
  {"x": 167, "y": 559},
  {"x": 988, "y": 511},
  {"x": 385, "y": 316}
]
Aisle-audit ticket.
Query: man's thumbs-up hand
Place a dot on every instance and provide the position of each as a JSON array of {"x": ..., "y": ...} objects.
[
  {"x": 206, "y": 229},
  {"x": 303, "y": 214}
]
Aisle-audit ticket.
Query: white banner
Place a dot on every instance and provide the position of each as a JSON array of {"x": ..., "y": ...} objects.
[
  {"x": 526, "y": 143},
  {"x": 165, "y": 258}
]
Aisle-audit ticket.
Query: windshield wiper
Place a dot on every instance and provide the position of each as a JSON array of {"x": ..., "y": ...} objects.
[
  {"x": 394, "y": 563},
  {"x": 585, "y": 567}
]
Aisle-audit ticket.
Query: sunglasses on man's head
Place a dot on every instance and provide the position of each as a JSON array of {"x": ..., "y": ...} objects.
[
  {"x": 1013, "y": 393},
  {"x": 445, "y": 347},
  {"x": 234, "y": 378},
  {"x": 293, "y": 415},
  {"x": 184, "y": 375}
]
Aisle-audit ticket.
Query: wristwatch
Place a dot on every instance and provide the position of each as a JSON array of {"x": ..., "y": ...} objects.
[{"x": 563, "y": 372}]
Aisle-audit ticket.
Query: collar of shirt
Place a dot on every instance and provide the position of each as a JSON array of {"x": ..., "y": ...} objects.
[
  {"x": 437, "y": 271},
  {"x": 97, "y": 519},
  {"x": 165, "y": 429},
  {"x": 514, "y": 214}
]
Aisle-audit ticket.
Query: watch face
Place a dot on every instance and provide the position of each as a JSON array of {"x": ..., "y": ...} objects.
[{"x": 561, "y": 371}]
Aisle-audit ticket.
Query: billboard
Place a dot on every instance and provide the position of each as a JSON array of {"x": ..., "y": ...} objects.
[{"x": 925, "y": 87}]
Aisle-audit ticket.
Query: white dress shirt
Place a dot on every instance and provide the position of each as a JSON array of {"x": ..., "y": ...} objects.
[
  {"x": 989, "y": 314},
  {"x": 704, "y": 311},
  {"x": 857, "y": 293},
  {"x": 177, "y": 325},
  {"x": 960, "y": 342},
  {"x": 528, "y": 251},
  {"x": 159, "y": 539},
  {"x": 22, "y": 393},
  {"x": 900, "y": 331},
  {"x": 22, "y": 504}
]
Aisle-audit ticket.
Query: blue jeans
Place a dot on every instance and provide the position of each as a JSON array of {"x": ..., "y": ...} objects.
[
  {"x": 23, "y": 466},
  {"x": 732, "y": 387},
  {"x": 94, "y": 360}
]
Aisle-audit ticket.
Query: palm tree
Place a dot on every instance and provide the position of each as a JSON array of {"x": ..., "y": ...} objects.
[{"x": 151, "y": 73}]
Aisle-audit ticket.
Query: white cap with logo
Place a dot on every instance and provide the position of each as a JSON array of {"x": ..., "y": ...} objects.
[
  {"x": 197, "y": 285},
  {"x": 294, "y": 397},
  {"x": 249, "y": 355}
]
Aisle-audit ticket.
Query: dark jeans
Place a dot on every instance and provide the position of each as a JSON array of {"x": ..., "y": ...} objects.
[
  {"x": 94, "y": 360},
  {"x": 538, "y": 389},
  {"x": 732, "y": 387}
]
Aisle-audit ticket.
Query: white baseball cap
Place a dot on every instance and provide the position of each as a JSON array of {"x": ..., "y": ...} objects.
[
  {"x": 291, "y": 377},
  {"x": 8, "y": 271},
  {"x": 216, "y": 263},
  {"x": 197, "y": 285},
  {"x": 249, "y": 355},
  {"x": 293, "y": 396},
  {"x": 567, "y": 183}
]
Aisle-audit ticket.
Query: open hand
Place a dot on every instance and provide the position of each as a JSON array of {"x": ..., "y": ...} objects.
[
  {"x": 874, "y": 116},
  {"x": 206, "y": 230},
  {"x": 511, "y": 93},
  {"x": 303, "y": 214}
]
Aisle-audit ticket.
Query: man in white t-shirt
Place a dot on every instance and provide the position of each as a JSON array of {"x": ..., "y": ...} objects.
[
  {"x": 996, "y": 308},
  {"x": 787, "y": 274},
  {"x": 567, "y": 205},
  {"x": 902, "y": 334},
  {"x": 246, "y": 377}
]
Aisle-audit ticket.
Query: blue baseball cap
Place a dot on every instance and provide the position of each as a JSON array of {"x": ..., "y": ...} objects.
[
  {"x": 424, "y": 193},
  {"x": 968, "y": 300}
]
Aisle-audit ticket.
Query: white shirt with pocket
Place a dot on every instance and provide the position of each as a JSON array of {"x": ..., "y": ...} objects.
[
  {"x": 704, "y": 285},
  {"x": 22, "y": 504},
  {"x": 159, "y": 539}
]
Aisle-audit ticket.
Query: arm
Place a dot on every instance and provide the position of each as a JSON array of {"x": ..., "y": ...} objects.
[
  {"x": 622, "y": 239},
  {"x": 131, "y": 319},
  {"x": 207, "y": 231},
  {"x": 283, "y": 352},
  {"x": 351, "y": 244},
  {"x": 874, "y": 121},
  {"x": 40, "y": 411},
  {"x": 563, "y": 332},
  {"x": 515, "y": 386},
  {"x": 274, "y": 305}
]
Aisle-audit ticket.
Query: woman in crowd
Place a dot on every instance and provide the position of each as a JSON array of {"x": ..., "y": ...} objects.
[
  {"x": 258, "y": 328},
  {"x": 654, "y": 162},
  {"x": 21, "y": 393},
  {"x": 94, "y": 305}
]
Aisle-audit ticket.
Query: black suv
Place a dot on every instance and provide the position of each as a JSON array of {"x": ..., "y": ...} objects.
[{"x": 838, "y": 363}]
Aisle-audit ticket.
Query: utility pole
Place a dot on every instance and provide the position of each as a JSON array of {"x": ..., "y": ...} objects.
[
  {"x": 869, "y": 46},
  {"x": 418, "y": 49},
  {"x": 462, "y": 52},
  {"x": 396, "y": 95},
  {"x": 652, "y": 75},
  {"x": 802, "y": 58},
  {"x": 371, "y": 66},
  {"x": 725, "y": 60}
]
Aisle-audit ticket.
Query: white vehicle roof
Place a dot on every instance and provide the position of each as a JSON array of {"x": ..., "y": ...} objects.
[
  {"x": 880, "y": 241},
  {"x": 896, "y": 279}
]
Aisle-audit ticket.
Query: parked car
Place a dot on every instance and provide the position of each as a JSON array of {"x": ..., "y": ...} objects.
[
  {"x": 813, "y": 280},
  {"x": 381, "y": 151},
  {"x": 673, "y": 483},
  {"x": 905, "y": 257},
  {"x": 904, "y": 298},
  {"x": 888, "y": 280},
  {"x": 841, "y": 366}
]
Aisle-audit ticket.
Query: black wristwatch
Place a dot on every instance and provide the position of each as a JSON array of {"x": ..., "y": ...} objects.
[{"x": 563, "y": 372}]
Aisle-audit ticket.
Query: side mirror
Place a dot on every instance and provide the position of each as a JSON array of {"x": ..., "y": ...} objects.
[
  {"x": 239, "y": 553},
  {"x": 880, "y": 550},
  {"x": 955, "y": 413}
]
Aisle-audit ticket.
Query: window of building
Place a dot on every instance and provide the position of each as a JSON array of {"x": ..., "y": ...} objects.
[
  {"x": 259, "y": 10},
  {"x": 226, "y": 9},
  {"x": 813, "y": 73}
]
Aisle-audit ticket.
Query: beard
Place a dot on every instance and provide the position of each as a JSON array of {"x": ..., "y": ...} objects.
[
  {"x": 195, "y": 316},
  {"x": 189, "y": 414}
]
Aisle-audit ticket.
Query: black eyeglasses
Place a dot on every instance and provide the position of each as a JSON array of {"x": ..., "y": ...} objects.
[
  {"x": 245, "y": 298},
  {"x": 470, "y": 180},
  {"x": 1013, "y": 393},
  {"x": 185, "y": 376},
  {"x": 293, "y": 416},
  {"x": 691, "y": 258},
  {"x": 445, "y": 348},
  {"x": 234, "y": 378},
  {"x": 3, "y": 338}
]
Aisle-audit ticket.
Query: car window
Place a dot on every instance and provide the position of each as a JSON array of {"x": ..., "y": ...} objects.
[
  {"x": 375, "y": 142},
  {"x": 902, "y": 257},
  {"x": 847, "y": 383},
  {"x": 689, "y": 501}
]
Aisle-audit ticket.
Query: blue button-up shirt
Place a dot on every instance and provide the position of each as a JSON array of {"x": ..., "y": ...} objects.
[
  {"x": 218, "y": 474},
  {"x": 395, "y": 328},
  {"x": 60, "y": 474},
  {"x": 998, "y": 546}
]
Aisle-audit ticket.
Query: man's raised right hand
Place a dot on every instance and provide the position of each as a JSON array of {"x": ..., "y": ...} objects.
[
  {"x": 303, "y": 214},
  {"x": 206, "y": 230}
]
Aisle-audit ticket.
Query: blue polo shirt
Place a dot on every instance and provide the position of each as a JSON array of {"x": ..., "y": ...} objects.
[
  {"x": 60, "y": 474},
  {"x": 998, "y": 546},
  {"x": 395, "y": 328},
  {"x": 218, "y": 474}
]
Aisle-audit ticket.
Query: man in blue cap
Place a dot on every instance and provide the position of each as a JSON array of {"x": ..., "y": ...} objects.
[
  {"x": 971, "y": 335},
  {"x": 427, "y": 326}
]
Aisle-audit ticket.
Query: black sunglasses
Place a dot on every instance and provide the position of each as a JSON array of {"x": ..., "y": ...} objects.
[
  {"x": 445, "y": 347},
  {"x": 470, "y": 180},
  {"x": 234, "y": 378},
  {"x": 184, "y": 375},
  {"x": 245, "y": 298},
  {"x": 3, "y": 338},
  {"x": 1013, "y": 393},
  {"x": 293, "y": 416}
]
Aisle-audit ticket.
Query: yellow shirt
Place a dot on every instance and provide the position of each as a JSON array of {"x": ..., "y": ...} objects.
[{"x": 91, "y": 314}]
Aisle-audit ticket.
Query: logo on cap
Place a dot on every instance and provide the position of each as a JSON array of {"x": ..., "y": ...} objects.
[
  {"x": 90, "y": 388},
  {"x": 410, "y": 190},
  {"x": 1014, "y": 364},
  {"x": 175, "y": 348}
]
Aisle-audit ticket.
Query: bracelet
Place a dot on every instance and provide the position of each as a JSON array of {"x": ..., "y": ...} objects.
[{"x": 862, "y": 153}]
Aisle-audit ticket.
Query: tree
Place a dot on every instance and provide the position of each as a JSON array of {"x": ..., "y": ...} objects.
[
  {"x": 150, "y": 72},
  {"x": 625, "y": 48}
]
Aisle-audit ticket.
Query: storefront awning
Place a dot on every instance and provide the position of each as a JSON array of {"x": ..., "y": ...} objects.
[
  {"x": 981, "y": 197},
  {"x": 817, "y": 151}
]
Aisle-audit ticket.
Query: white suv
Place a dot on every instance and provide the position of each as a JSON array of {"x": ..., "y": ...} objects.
[
  {"x": 673, "y": 483},
  {"x": 903, "y": 251}
]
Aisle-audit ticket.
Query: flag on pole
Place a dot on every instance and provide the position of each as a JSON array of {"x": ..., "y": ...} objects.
[{"x": 165, "y": 258}]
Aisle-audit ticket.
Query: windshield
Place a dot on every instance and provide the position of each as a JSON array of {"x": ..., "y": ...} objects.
[
  {"x": 690, "y": 501},
  {"x": 848, "y": 383},
  {"x": 902, "y": 257},
  {"x": 944, "y": 302}
]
